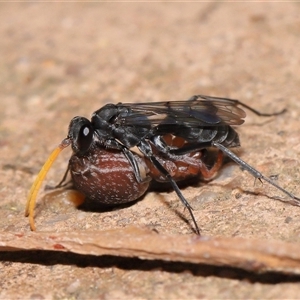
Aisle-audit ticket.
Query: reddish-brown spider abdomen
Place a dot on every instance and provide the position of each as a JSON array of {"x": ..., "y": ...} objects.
[{"x": 106, "y": 176}]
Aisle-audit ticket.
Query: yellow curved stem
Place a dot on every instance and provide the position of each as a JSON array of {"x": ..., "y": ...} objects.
[{"x": 31, "y": 200}]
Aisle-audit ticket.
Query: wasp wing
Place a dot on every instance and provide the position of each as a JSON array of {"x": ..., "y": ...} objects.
[{"x": 199, "y": 111}]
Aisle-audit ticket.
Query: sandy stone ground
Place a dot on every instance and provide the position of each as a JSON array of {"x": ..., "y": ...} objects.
[{"x": 60, "y": 60}]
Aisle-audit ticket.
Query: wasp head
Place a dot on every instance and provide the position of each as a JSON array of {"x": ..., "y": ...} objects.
[{"x": 81, "y": 134}]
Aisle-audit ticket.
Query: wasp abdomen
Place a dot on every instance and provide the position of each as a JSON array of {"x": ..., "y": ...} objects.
[{"x": 227, "y": 136}]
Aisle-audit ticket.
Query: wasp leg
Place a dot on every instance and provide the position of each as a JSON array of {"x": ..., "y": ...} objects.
[
  {"x": 160, "y": 144},
  {"x": 254, "y": 172},
  {"x": 146, "y": 149},
  {"x": 189, "y": 148},
  {"x": 205, "y": 171},
  {"x": 114, "y": 144},
  {"x": 163, "y": 147},
  {"x": 129, "y": 155}
]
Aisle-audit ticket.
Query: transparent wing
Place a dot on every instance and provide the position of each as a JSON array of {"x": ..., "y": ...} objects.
[{"x": 199, "y": 111}]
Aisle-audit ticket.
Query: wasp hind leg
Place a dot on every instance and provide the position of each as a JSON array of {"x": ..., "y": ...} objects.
[{"x": 255, "y": 173}]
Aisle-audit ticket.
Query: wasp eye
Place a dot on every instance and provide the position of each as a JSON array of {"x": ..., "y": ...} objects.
[{"x": 85, "y": 138}]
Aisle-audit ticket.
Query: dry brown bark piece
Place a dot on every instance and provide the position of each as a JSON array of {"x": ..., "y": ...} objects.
[{"x": 253, "y": 255}]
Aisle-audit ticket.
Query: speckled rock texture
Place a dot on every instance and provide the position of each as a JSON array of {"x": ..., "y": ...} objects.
[{"x": 59, "y": 60}]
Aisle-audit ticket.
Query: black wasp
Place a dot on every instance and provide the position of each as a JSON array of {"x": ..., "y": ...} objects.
[{"x": 171, "y": 138}]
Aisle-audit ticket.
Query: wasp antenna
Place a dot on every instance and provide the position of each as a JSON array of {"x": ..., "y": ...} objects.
[
  {"x": 258, "y": 113},
  {"x": 31, "y": 200}
]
